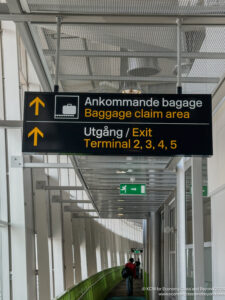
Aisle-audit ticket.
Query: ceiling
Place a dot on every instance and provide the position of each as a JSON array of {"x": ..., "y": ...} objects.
[
  {"x": 94, "y": 57},
  {"x": 104, "y": 174},
  {"x": 134, "y": 7}
]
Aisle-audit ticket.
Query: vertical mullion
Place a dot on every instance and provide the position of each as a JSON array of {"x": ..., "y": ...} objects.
[
  {"x": 180, "y": 215},
  {"x": 198, "y": 233}
]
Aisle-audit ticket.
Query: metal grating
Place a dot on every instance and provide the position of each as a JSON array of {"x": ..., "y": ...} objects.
[
  {"x": 131, "y": 7},
  {"x": 153, "y": 39}
]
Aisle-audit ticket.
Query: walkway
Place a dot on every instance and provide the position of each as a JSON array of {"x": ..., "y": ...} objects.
[{"x": 120, "y": 291}]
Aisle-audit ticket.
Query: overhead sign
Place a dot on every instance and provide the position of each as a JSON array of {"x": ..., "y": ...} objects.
[
  {"x": 132, "y": 189},
  {"x": 117, "y": 124},
  {"x": 136, "y": 250}
]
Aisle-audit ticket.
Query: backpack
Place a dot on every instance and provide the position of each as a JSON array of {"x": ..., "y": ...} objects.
[{"x": 125, "y": 272}]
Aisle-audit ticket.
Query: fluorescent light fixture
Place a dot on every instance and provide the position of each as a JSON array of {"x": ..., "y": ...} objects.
[
  {"x": 120, "y": 172},
  {"x": 131, "y": 91},
  {"x": 132, "y": 179},
  {"x": 120, "y": 215},
  {"x": 131, "y": 87}
]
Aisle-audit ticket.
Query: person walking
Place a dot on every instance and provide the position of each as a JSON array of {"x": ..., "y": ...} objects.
[
  {"x": 137, "y": 263},
  {"x": 132, "y": 274}
]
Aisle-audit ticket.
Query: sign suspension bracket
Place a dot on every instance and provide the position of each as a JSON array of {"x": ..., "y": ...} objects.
[
  {"x": 179, "y": 69},
  {"x": 57, "y": 57}
]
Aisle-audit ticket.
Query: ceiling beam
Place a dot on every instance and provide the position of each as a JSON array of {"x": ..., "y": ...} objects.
[
  {"x": 82, "y": 180},
  {"x": 48, "y": 165},
  {"x": 149, "y": 79},
  {"x": 172, "y": 55},
  {"x": 63, "y": 188},
  {"x": 28, "y": 37},
  {"x": 75, "y": 216},
  {"x": 58, "y": 199},
  {"x": 11, "y": 124},
  {"x": 159, "y": 20},
  {"x": 76, "y": 210},
  {"x": 72, "y": 201}
]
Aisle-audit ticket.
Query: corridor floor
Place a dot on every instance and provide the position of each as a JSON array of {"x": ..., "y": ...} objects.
[{"x": 120, "y": 291}]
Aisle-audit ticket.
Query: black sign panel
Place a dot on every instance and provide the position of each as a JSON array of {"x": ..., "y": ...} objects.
[{"x": 117, "y": 124}]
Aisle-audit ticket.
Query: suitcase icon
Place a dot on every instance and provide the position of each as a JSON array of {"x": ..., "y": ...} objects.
[{"x": 69, "y": 109}]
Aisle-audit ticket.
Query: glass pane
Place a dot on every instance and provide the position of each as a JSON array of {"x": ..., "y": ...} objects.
[
  {"x": 207, "y": 219},
  {"x": 206, "y": 202},
  {"x": 162, "y": 249},
  {"x": 208, "y": 270},
  {"x": 172, "y": 247},
  {"x": 188, "y": 206},
  {"x": 172, "y": 270},
  {"x": 172, "y": 232},
  {"x": 4, "y": 264},
  {"x": 1, "y": 268},
  {"x": 189, "y": 271}
]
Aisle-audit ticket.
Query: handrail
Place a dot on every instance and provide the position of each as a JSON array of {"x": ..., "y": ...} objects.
[
  {"x": 81, "y": 296},
  {"x": 80, "y": 290}
]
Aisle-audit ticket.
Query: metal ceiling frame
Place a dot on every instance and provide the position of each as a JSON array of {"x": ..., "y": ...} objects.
[
  {"x": 80, "y": 176},
  {"x": 28, "y": 37},
  {"x": 105, "y": 191},
  {"x": 165, "y": 54},
  {"x": 138, "y": 79},
  {"x": 24, "y": 22},
  {"x": 160, "y": 20}
]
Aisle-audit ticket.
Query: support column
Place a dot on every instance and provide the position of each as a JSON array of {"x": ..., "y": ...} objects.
[
  {"x": 166, "y": 249},
  {"x": 154, "y": 254},
  {"x": 83, "y": 247},
  {"x": 97, "y": 234},
  {"x": 56, "y": 230},
  {"x": 147, "y": 255},
  {"x": 68, "y": 258},
  {"x": 76, "y": 242},
  {"x": 197, "y": 220},
  {"x": 181, "y": 259},
  {"x": 18, "y": 263},
  {"x": 66, "y": 228},
  {"x": 90, "y": 247},
  {"x": 41, "y": 227},
  {"x": 30, "y": 233}
]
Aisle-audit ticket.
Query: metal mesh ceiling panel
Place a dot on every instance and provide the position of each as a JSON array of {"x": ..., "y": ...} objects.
[
  {"x": 132, "y": 7},
  {"x": 149, "y": 38},
  {"x": 153, "y": 39}
]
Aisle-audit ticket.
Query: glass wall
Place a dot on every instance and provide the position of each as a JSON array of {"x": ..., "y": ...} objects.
[
  {"x": 162, "y": 228},
  {"x": 172, "y": 246},
  {"x": 206, "y": 228},
  {"x": 189, "y": 237}
]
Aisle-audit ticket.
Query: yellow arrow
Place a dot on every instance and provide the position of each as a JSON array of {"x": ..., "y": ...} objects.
[
  {"x": 36, "y": 131},
  {"x": 37, "y": 101}
]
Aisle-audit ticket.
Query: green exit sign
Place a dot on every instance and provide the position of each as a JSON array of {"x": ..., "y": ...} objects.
[
  {"x": 204, "y": 190},
  {"x": 132, "y": 189}
]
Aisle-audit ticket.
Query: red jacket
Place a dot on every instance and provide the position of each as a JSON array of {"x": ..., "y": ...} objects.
[{"x": 132, "y": 268}]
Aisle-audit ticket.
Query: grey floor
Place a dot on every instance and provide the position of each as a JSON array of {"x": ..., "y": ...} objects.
[{"x": 120, "y": 291}]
